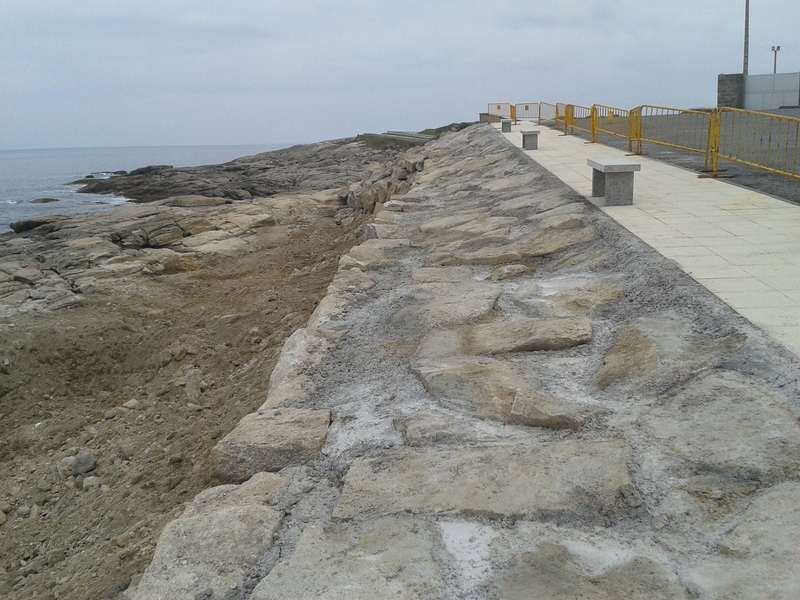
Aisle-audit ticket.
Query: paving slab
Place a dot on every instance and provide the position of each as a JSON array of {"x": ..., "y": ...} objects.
[
  {"x": 270, "y": 440},
  {"x": 521, "y": 335},
  {"x": 746, "y": 432},
  {"x": 446, "y": 304},
  {"x": 552, "y": 572},
  {"x": 759, "y": 555},
  {"x": 222, "y": 533},
  {"x": 491, "y": 389}
]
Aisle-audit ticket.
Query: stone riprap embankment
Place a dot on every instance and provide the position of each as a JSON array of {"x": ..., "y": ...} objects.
[{"x": 503, "y": 395}]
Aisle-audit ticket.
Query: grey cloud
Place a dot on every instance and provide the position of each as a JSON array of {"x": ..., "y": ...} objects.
[{"x": 202, "y": 71}]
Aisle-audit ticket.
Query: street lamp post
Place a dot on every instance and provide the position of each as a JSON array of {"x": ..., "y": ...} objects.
[
  {"x": 746, "y": 37},
  {"x": 775, "y": 50}
]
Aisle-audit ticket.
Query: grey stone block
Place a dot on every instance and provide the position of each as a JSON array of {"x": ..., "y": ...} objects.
[{"x": 530, "y": 140}]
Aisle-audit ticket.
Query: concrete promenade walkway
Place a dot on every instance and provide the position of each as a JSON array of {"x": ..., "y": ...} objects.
[{"x": 741, "y": 245}]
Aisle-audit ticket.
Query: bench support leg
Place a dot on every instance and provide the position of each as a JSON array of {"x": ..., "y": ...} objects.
[
  {"x": 619, "y": 189},
  {"x": 530, "y": 141},
  {"x": 598, "y": 183},
  {"x": 616, "y": 187}
]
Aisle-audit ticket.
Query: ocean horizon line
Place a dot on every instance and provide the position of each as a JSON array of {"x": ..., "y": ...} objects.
[
  {"x": 28, "y": 176},
  {"x": 136, "y": 147}
]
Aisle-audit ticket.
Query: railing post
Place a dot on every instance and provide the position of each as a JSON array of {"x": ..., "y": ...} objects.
[
  {"x": 569, "y": 118},
  {"x": 635, "y": 130},
  {"x": 712, "y": 147},
  {"x": 593, "y": 115},
  {"x": 631, "y": 128},
  {"x": 514, "y": 113}
]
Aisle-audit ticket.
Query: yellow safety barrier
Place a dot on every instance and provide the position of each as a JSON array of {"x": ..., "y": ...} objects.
[
  {"x": 755, "y": 139},
  {"x": 672, "y": 127},
  {"x": 504, "y": 110},
  {"x": 762, "y": 140},
  {"x": 561, "y": 117},
  {"x": 580, "y": 118},
  {"x": 527, "y": 112},
  {"x": 612, "y": 121}
]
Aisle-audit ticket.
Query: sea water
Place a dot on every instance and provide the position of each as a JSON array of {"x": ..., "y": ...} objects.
[{"x": 29, "y": 175}]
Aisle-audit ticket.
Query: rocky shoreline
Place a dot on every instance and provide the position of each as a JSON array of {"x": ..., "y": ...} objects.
[
  {"x": 188, "y": 212},
  {"x": 482, "y": 387},
  {"x": 131, "y": 339},
  {"x": 330, "y": 164},
  {"x": 503, "y": 395}
]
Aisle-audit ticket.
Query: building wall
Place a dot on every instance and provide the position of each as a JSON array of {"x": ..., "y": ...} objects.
[
  {"x": 730, "y": 91},
  {"x": 765, "y": 92},
  {"x": 785, "y": 112}
]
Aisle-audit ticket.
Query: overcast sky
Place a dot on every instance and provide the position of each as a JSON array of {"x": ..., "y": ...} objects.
[{"x": 83, "y": 73}]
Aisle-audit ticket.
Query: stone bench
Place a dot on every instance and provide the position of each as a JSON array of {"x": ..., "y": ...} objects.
[
  {"x": 613, "y": 178},
  {"x": 505, "y": 125},
  {"x": 530, "y": 140}
]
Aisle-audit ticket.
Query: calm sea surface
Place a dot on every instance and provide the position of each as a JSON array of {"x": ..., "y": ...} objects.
[{"x": 27, "y": 175}]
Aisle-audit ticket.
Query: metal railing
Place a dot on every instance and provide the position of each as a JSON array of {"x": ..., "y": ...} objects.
[
  {"x": 672, "y": 127},
  {"x": 612, "y": 121},
  {"x": 578, "y": 117},
  {"x": 527, "y": 112},
  {"x": 561, "y": 117},
  {"x": 761, "y": 140},
  {"x": 548, "y": 113},
  {"x": 504, "y": 110}
]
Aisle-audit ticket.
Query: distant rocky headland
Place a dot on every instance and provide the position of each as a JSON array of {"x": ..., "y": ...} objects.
[{"x": 304, "y": 167}]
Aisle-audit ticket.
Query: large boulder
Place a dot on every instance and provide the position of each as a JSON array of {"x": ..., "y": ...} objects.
[
  {"x": 269, "y": 440},
  {"x": 497, "y": 482},
  {"x": 210, "y": 548}
]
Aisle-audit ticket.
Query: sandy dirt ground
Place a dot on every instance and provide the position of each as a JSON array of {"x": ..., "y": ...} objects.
[{"x": 140, "y": 380}]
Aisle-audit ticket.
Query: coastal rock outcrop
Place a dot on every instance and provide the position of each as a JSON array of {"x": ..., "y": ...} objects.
[{"x": 311, "y": 167}]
